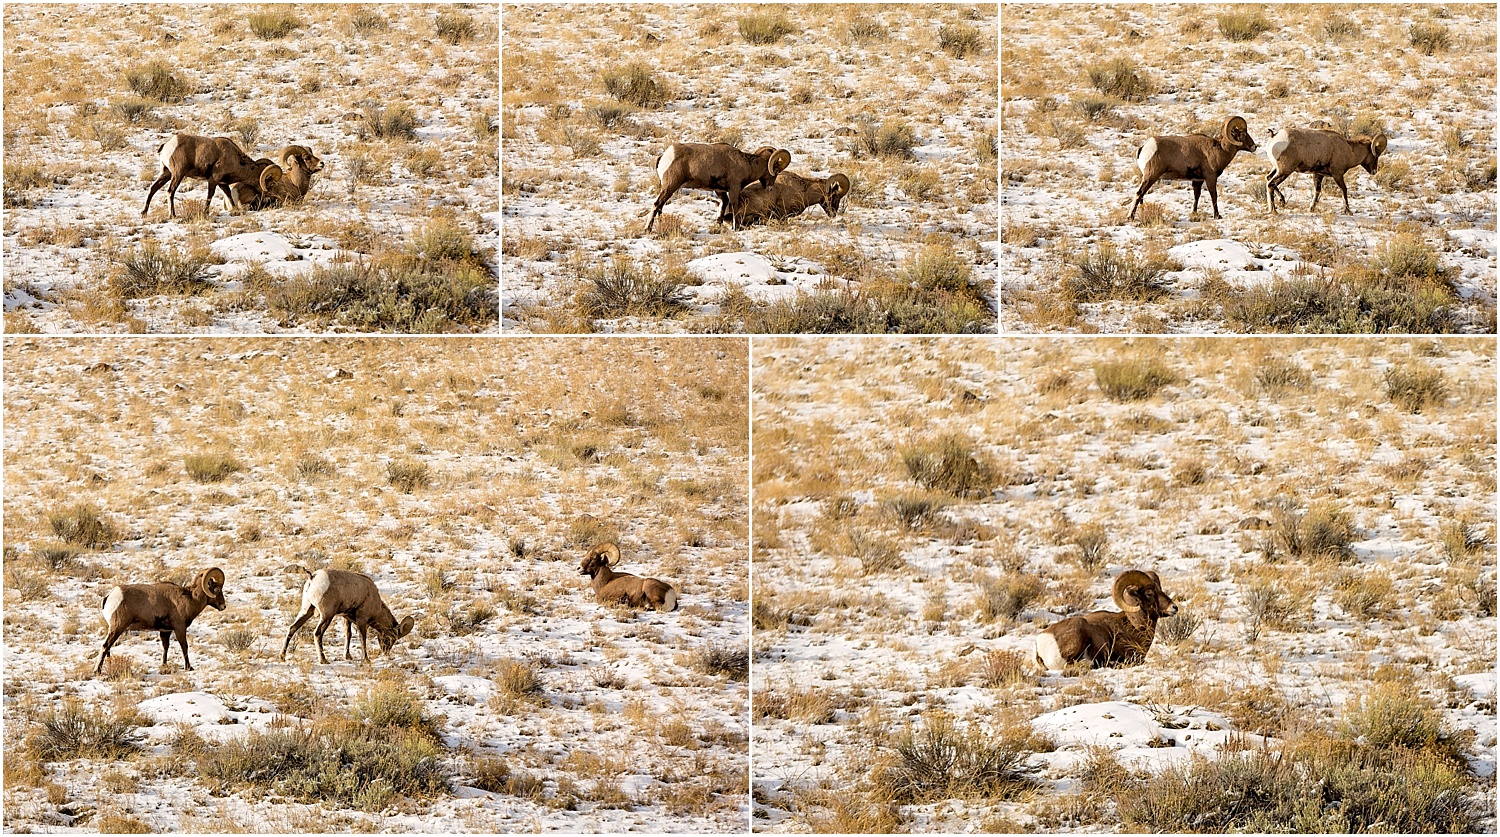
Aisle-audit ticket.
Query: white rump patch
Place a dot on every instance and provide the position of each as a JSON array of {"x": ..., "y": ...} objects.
[
  {"x": 1148, "y": 150},
  {"x": 669, "y": 601},
  {"x": 112, "y": 603},
  {"x": 1278, "y": 145},
  {"x": 166, "y": 151},
  {"x": 1048, "y": 652},
  {"x": 315, "y": 589},
  {"x": 666, "y": 161}
]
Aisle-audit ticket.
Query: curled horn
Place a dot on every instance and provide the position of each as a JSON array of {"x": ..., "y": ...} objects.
[
  {"x": 213, "y": 580},
  {"x": 1127, "y": 587},
  {"x": 1379, "y": 144},
  {"x": 273, "y": 172},
  {"x": 778, "y": 162},
  {"x": 610, "y": 551},
  {"x": 838, "y": 184},
  {"x": 1236, "y": 127}
]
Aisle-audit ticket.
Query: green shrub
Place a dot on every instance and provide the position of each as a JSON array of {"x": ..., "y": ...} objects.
[
  {"x": 156, "y": 81},
  {"x": 401, "y": 295},
  {"x": 865, "y": 29},
  {"x": 82, "y": 525},
  {"x": 392, "y": 707},
  {"x": 894, "y": 139},
  {"x": 938, "y": 268},
  {"x": 941, "y": 761},
  {"x": 396, "y": 122},
  {"x": 731, "y": 661},
  {"x": 961, "y": 40},
  {"x": 1429, "y": 38},
  {"x": 1415, "y": 386},
  {"x": 950, "y": 463},
  {"x": 210, "y": 467},
  {"x": 134, "y": 111},
  {"x": 622, "y": 288},
  {"x": 336, "y": 763},
  {"x": 1008, "y": 596},
  {"x": 273, "y": 24},
  {"x": 1353, "y": 301},
  {"x": 635, "y": 85},
  {"x": 151, "y": 269},
  {"x": 454, "y": 27},
  {"x": 441, "y": 239},
  {"x": 1338, "y": 27},
  {"x": 1243, "y": 24},
  {"x": 56, "y": 556},
  {"x": 1278, "y": 374},
  {"x": 1315, "y": 787},
  {"x": 1107, "y": 272},
  {"x": 408, "y": 475},
  {"x": 1133, "y": 380},
  {"x": 764, "y": 29},
  {"x": 910, "y": 510},
  {"x": 73, "y": 732},
  {"x": 1119, "y": 77}
]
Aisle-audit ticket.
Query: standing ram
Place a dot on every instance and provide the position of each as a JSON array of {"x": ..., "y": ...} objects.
[
  {"x": 215, "y": 159},
  {"x": 163, "y": 607},
  {"x": 1322, "y": 153},
  {"x": 718, "y": 167},
  {"x": 789, "y": 196},
  {"x": 1196, "y": 158}
]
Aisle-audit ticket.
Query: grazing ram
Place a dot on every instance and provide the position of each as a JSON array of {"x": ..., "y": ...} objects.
[
  {"x": 163, "y": 607},
  {"x": 1106, "y": 638},
  {"x": 789, "y": 196},
  {"x": 215, "y": 159},
  {"x": 1323, "y": 153},
  {"x": 1196, "y": 158},
  {"x": 612, "y": 587},
  {"x": 352, "y": 595},
  {"x": 718, "y": 167}
]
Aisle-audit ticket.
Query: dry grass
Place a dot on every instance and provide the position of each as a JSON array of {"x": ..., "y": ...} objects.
[{"x": 329, "y": 439}]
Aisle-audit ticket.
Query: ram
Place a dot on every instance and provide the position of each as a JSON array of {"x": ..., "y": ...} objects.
[
  {"x": 789, "y": 196},
  {"x": 612, "y": 587},
  {"x": 334, "y": 593},
  {"x": 1106, "y": 638},
  {"x": 718, "y": 167},
  {"x": 1322, "y": 153},
  {"x": 163, "y": 607},
  {"x": 215, "y": 159},
  {"x": 287, "y": 179},
  {"x": 1195, "y": 158}
]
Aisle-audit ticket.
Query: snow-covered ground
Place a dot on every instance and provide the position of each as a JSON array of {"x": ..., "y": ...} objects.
[
  {"x": 81, "y": 143},
  {"x": 532, "y": 449},
  {"x": 1069, "y": 146},
  {"x": 579, "y": 166},
  {"x": 865, "y": 628}
]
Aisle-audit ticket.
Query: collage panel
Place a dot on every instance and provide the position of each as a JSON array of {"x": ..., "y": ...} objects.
[
  {"x": 1124, "y": 584},
  {"x": 1141, "y": 142},
  {"x": 788, "y": 168},
  {"x": 545, "y": 558},
  {"x": 235, "y": 168}
]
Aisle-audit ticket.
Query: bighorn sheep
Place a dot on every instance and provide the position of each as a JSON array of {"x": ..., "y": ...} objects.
[
  {"x": 718, "y": 167},
  {"x": 1196, "y": 158},
  {"x": 611, "y": 587},
  {"x": 163, "y": 607},
  {"x": 1323, "y": 153},
  {"x": 353, "y": 596},
  {"x": 789, "y": 196},
  {"x": 215, "y": 159},
  {"x": 1106, "y": 638},
  {"x": 288, "y": 179}
]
